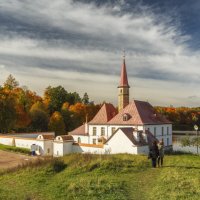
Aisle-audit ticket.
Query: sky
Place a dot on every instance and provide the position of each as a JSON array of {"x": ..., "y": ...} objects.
[{"x": 78, "y": 44}]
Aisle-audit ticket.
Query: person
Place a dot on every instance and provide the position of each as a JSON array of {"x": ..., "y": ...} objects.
[
  {"x": 153, "y": 153},
  {"x": 161, "y": 153}
]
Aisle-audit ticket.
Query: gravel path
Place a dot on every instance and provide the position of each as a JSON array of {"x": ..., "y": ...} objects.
[{"x": 10, "y": 159}]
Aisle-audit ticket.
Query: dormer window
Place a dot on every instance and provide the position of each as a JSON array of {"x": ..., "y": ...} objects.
[{"x": 126, "y": 117}]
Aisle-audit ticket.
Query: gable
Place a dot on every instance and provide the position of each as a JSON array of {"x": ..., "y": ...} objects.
[{"x": 105, "y": 114}]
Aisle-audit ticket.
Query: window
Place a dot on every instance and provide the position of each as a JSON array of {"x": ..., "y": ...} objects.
[
  {"x": 94, "y": 141},
  {"x": 154, "y": 131},
  {"x": 162, "y": 131},
  {"x": 102, "y": 131},
  {"x": 94, "y": 130},
  {"x": 126, "y": 117},
  {"x": 113, "y": 130},
  {"x": 79, "y": 140},
  {"x": 167, "y": 141},
  {"x": 167, "y": 130}
]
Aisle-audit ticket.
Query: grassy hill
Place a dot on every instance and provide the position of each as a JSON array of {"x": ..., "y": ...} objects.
[{"x": 85, "y": 176}]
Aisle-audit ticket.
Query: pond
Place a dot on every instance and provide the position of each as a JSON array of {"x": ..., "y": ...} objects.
[{"x": 176, "y": 139}]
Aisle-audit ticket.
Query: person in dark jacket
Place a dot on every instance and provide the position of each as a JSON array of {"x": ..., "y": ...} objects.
[
  {"x": 161, "y": 153},
  {"x": 153, "y": 153}
]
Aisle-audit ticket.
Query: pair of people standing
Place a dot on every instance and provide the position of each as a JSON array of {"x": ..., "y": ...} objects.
[{"x": 156, "y": 153}]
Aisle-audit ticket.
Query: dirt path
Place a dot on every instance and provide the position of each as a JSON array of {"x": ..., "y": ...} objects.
[{"x": 9, "y": 159}]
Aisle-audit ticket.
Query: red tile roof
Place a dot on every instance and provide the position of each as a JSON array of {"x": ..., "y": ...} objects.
[
  {"x": 79, "y": 131},
  {"x": 123, "y": 79},
  {"x": 139, "y": 113},
  {"x": 105, "y": 114},
  {"x": 66, "y": 137}
]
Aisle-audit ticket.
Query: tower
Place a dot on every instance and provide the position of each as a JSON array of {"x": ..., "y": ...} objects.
[{"x": 123, "y": 88}]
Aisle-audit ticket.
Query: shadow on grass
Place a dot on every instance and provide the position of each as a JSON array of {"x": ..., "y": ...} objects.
[{"x": 183, "y": 167}]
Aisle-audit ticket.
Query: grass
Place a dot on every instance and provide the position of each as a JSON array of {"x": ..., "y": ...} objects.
[
  {"x": 14, "y": 149},
  {"x": 106, "y": 177}
]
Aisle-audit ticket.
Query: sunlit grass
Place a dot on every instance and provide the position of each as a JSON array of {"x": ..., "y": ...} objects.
[{"x": 87, "y": 176}]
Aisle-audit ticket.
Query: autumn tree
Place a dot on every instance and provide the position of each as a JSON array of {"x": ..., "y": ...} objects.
[
  {"x": 11, "y": 83},
  {"x": 22, "y": 119},
  {"x": 67, "y": 116},
  {"x": 57, "y": 124}
]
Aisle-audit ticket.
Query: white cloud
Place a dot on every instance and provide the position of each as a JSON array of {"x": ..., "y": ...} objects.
[{"x": 94, "y": 36}]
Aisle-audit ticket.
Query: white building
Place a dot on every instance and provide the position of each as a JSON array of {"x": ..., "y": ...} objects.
[{"x": 130, "y": 129}]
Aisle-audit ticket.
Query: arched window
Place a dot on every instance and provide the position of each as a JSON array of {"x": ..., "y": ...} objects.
[
  {"x": 79, "y": 140},
  {"x": 126, "y": 117}
]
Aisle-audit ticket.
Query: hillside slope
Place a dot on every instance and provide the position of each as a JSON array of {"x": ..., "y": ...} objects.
[{"x": 86, "y": 176}]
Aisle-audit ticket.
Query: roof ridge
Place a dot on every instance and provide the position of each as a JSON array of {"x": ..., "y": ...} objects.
[{"x": 139, "y": 114}]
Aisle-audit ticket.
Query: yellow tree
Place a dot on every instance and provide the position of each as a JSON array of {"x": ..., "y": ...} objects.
[{"x": 57, "y": 124}]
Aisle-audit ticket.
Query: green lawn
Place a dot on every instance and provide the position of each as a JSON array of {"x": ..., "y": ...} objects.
[
  {"x": 90, "y": 177},
  {"x": 14, "y": 149}
]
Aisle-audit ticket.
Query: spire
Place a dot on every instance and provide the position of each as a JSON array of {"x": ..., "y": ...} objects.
[{"x": 124, "y": 79}]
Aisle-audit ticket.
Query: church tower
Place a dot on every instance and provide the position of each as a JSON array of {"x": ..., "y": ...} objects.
[{"x": 123, "y": 88}]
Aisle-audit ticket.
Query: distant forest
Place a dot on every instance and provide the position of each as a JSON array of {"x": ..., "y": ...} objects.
[{"x": 22, "y": 110}]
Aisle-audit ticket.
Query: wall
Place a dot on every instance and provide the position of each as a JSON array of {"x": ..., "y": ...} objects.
[
  {"x": 84, "y": 139},
  {"x": 24, "y": 142},
  {"x": 57, "y": 149},
  {"x": 83, "y": 148},
  {"x": 6, "y": 140},
  {"x": 62, "y": 148},
  {"x": 121, "y": 144},
  {"x": 143, "y": 150}
]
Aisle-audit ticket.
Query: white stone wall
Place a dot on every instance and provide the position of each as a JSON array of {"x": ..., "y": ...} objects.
[
  {"x": 87, "y": 149},
  {"x": 24, "y": 142},
  {"x": 84, "y": 139},
  {"x": 6, "y": 140}
]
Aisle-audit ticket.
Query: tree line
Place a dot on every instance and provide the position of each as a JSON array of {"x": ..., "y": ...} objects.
[
  {"x": 182, "y": 118},
  {"x": 22, "y": 110}
]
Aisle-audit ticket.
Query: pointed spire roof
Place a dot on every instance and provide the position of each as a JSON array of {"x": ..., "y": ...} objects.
[{"x": 124, "y": 78}]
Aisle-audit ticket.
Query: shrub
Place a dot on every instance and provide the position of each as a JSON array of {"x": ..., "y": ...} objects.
[{"x": 58, "y": 165}]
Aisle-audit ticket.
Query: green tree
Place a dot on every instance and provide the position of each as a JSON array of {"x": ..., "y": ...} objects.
[
  {"x": 11, "y": 83},
  {"x": 55, "y": 97},
  {"x": 39, "y": 117},
  {"x": 73, "y": 98},
  {"x": 7, "y": 111},
  {"x": 85, "y": 98},
  {"x": 57, "y": 124}
]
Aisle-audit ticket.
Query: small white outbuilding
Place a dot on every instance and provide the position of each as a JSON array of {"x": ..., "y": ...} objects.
[
  {"x": 62, "y": 145},
  {"x": 44, "y": 145},
  {"x": 127, "y": 140}
]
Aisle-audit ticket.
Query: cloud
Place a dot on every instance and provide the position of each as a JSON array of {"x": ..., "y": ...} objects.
[{"x": 86, "y": 40}]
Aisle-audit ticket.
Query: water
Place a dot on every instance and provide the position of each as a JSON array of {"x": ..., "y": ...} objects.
[{"x": 178, "y": 147}]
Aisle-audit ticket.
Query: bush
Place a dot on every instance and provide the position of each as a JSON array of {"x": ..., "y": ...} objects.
[{"x": 58, "y": 165}]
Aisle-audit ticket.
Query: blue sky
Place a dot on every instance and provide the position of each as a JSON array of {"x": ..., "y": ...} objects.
[{"x": 78, "y": 44}]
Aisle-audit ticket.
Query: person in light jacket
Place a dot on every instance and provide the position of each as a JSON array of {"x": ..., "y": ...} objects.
[{"x": 161, "y": 153}]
